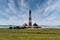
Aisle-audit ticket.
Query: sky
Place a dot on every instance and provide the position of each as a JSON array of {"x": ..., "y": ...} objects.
[{"x": 16, "y": 12}]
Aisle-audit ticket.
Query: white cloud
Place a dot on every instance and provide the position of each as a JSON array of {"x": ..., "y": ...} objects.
[
  {"x": 43, "y": 14},
  {"x": 12, "y": 7},
  {"x": 19, "y": 17}
]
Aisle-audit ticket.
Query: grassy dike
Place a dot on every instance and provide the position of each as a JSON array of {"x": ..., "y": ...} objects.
[{"x": 30, "y": 34}]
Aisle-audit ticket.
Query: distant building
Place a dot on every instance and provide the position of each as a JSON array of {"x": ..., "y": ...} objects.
[
  {"x": 25, "y": 24},
  {"x": 35, "y": 25}
]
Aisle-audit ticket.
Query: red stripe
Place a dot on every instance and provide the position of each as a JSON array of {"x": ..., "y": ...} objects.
[{"x": 30, "y": 23}]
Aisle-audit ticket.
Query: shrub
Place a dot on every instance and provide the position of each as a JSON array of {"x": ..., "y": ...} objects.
[
  {"x": 23, "y": 27},
  {"x": 17, "y": 27},
  {"x": 14, "y": 27},
  {"x": 10, "y": 27}
]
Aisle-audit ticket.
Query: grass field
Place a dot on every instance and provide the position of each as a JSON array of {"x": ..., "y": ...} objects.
[{"x": 30, "y": 34}]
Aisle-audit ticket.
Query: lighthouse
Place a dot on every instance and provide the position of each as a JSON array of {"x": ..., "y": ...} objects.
[{"x": 30, "y": 19}]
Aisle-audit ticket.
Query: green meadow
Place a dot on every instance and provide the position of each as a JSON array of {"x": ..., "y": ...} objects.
[{"x": 30, "y": 34}]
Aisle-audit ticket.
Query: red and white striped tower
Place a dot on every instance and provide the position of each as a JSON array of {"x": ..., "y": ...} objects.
[{"x": 30, "y": 19}]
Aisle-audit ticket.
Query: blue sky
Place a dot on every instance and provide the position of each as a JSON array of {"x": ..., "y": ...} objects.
[{"x": 15, "y": 12}]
